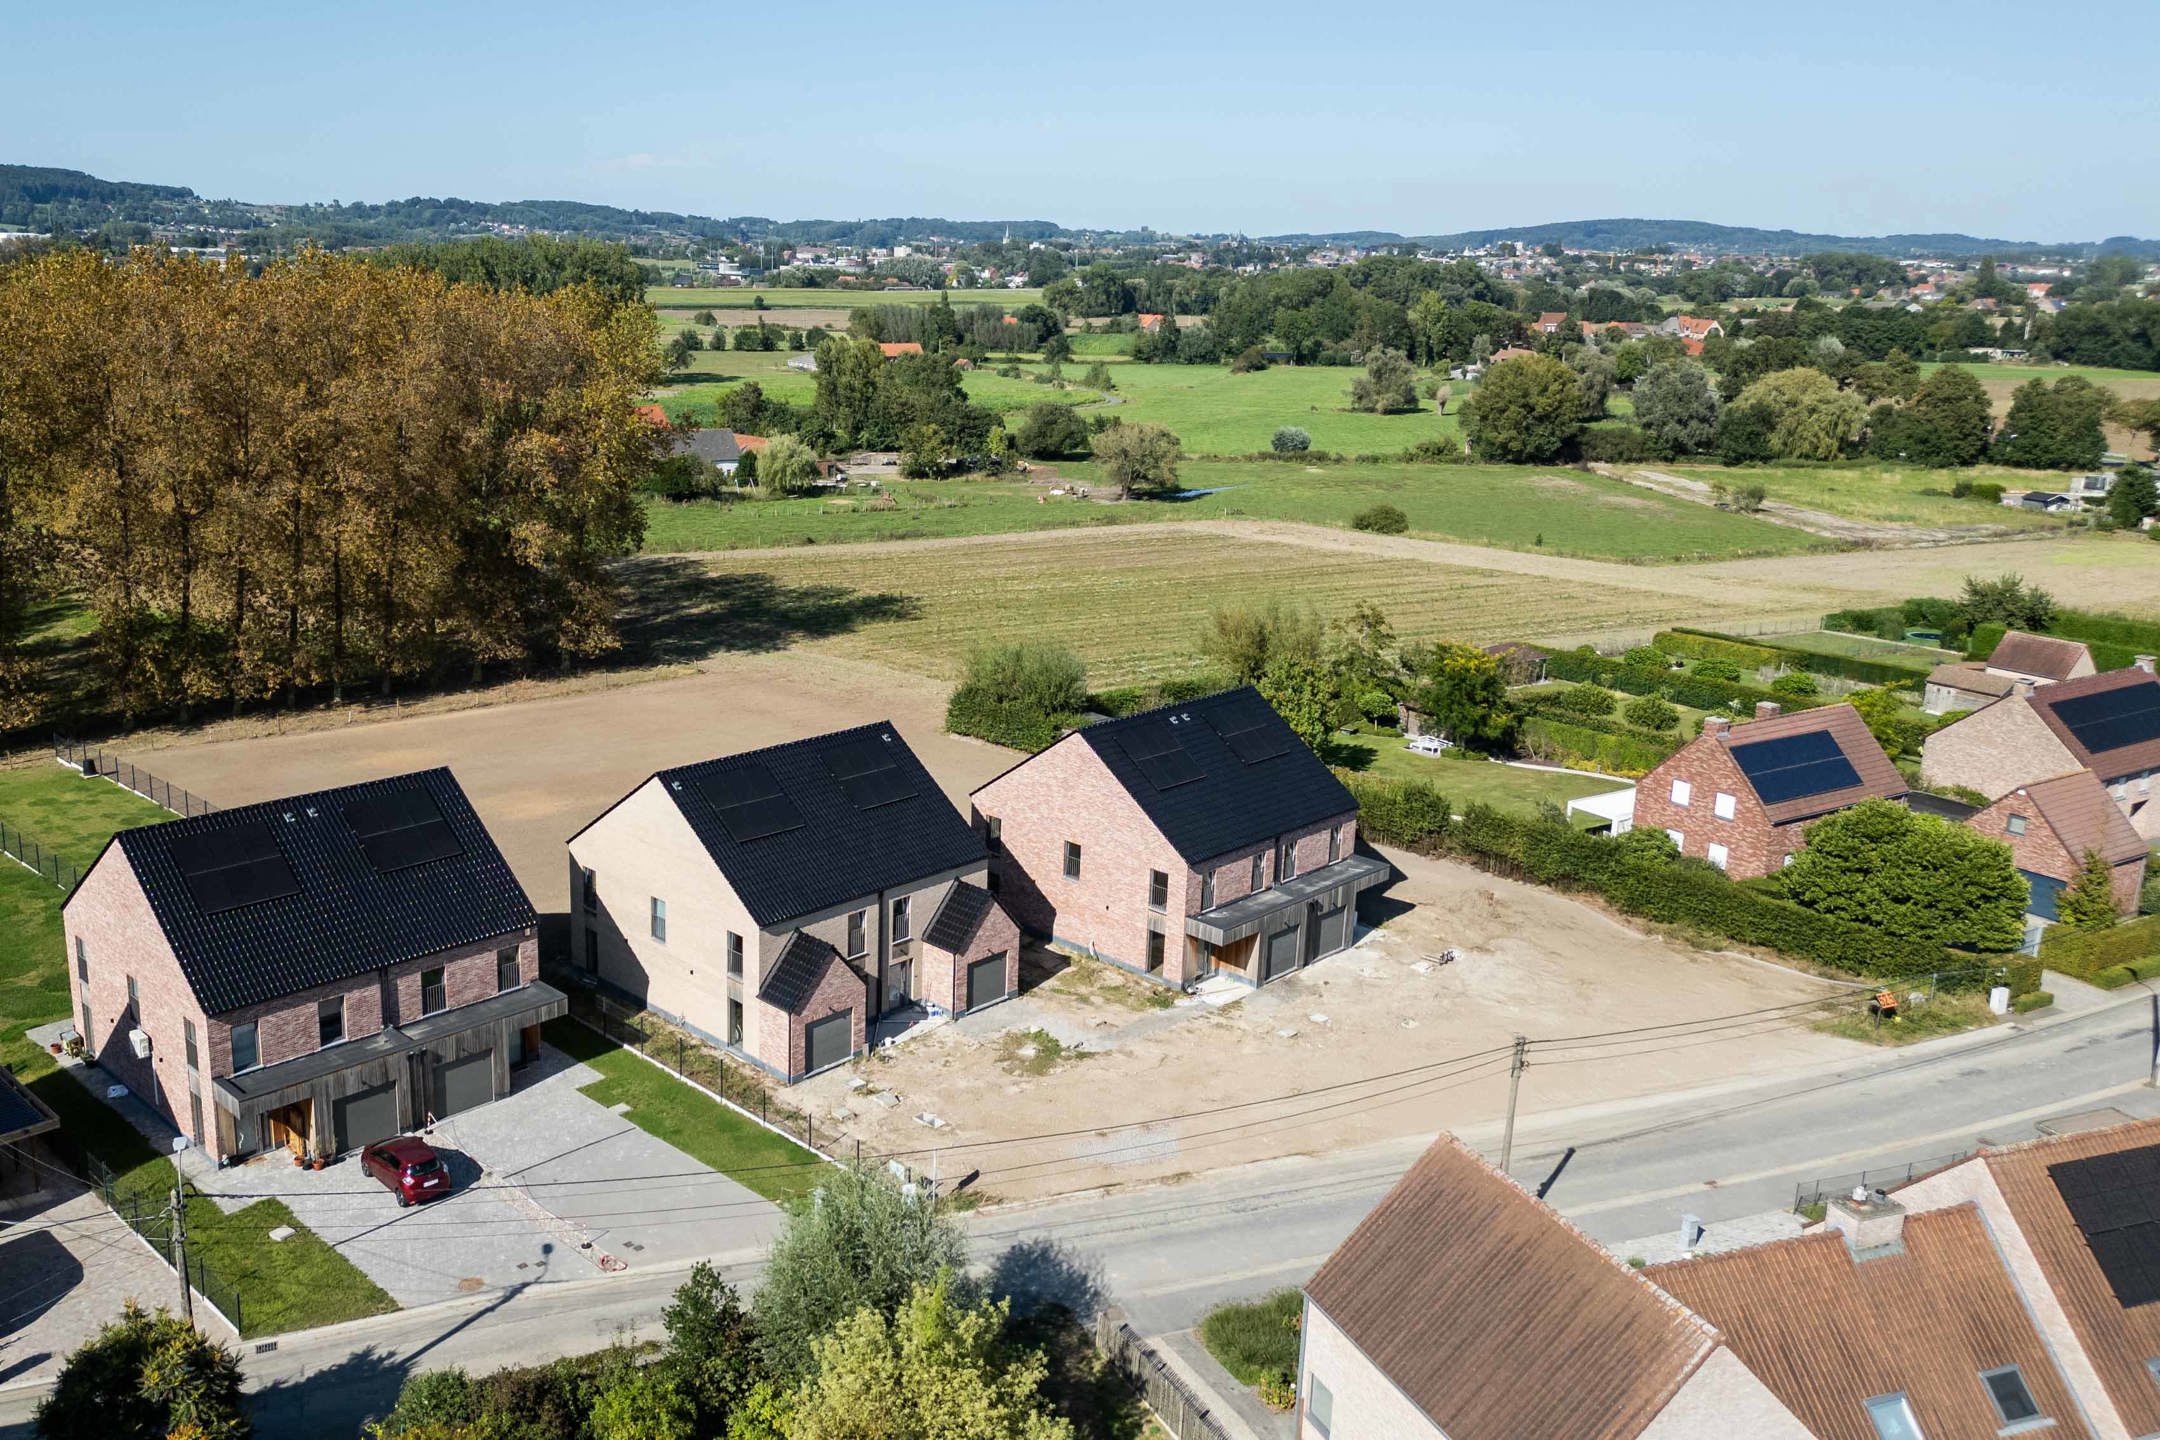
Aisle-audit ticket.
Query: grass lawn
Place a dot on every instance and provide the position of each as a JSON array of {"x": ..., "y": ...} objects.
[
  {"x": 745, "y": 297},
  {"x": 1253, "y": 1339},
  {"x": 699, "y": 1126},
  {"x": 1558, "y": 513},
  {"x": 1918, "y": 658},
  {"x": 1888, "y": 495},
  {"x": 710, "y": 374},
  {"x": 1101, "y": 347},
  {"x": 1468, "y": 782},
  {"x": 1217, "y": 413}
]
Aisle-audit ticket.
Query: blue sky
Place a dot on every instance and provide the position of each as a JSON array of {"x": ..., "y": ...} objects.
[{"x": 1983, "y": 117}]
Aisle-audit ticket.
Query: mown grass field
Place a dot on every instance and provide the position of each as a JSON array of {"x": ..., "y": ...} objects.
[
  {"x": 1217, "y": 413},
  {"x": 1888, "y": 495},
  {"x": 710, "y": 374},
  {"x": 1467, "y": 782},
  {"x": 776, "y": 297},
  {"x": 1522, "y": 508},
  {"x": 1921, "y": 658}
]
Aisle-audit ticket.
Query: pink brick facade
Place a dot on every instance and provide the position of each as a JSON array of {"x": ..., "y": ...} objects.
[
  {"x": 1705, "y": 767},
  {"x": 1066, "y": 795},
  {"x": 2043, "y": 852},
  {"x": 840, "y": 989},
  {"x": 945, "y": 972}
]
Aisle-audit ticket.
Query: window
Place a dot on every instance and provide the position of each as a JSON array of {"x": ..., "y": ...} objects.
[
  {"x": 187, "y": 1034},
  {"x": 659, "y": 919},
  {"x": 858, "y": 934},
  {"x": 1678, "y": 838},
  {"x": 1722, "y": 806},
  {"x": 994, "y": 834},
  {"x": 1717, "y": 855},
  {"x": 1259, "y": 871},
  {"x": 1154, "y": 952},
  {"x": 89, "y": 1035},
  {"x": 194, "y": 1105},
  {"x": 1072, "y": 859},
  {"x": 506, "y": 971},
  {"x": 1681, "y": 790},
  {"x": 2014, "y": 824},
  {"x": 246, "y": 1054},
  {"x": 1893, "y": 1418},
  {"x": 734, "y": 1022},
  {"x": 1286, "y": 863},
  {"x": 1207, "y": 891},
  {"x": 330, "y": 1021},
  {"x": 1334, "y": 843},
  {"x": 2013, "y": 1402},
  {"x": 902, "y": 926},
  {"x": 1319, "y": 1404},
  {"x": 432, "y": 997},
  {"x": 1158, "y": 890},
  {"x": 734, "y": 954},
  {"x": 134, "y": 1000},
  {"x": 590, "y": 888},
  {"x": 82, "y": 961}
]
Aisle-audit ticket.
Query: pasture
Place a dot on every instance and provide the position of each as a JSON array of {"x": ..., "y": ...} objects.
[
  {"x": 1217, "y": 413},
  {"x": 745, "y": 297},
  {"x": 1887, "y": 494},
  {"x": 2002, "y": 381}
]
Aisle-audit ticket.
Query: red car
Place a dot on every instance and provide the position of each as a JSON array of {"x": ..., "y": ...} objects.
[{"x": 410, "y": 1168}]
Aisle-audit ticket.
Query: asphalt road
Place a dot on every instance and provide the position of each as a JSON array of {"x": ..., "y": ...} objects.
[{"x": 1168, "y": 1253}]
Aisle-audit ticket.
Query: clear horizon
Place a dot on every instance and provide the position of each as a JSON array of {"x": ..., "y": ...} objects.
[{"x": 1206, "y": 120}]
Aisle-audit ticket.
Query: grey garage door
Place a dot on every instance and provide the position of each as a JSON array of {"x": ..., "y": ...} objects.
[
  {"x": 1328, "y": 933},
  {"x": 462, "y": 1084},
  {"x": 364, "y": 1117},
  {"x": 829, "y": 1041},
  {"x": 986, "y": 981},
  {"x": 1281, "y": 957}
]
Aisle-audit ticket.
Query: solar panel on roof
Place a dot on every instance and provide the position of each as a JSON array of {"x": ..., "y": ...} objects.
[
  {"x": 2112, "y": 718},
  {"x": 2114, "y": 1200},
  {"x": 1248, "y": 734},
  {"x": 751, "y": 803},
  {"x": 231, "y": 867},
  {"x": 868, "y": 775},
  {"x": 401, "y": 829},
  {"x": 1793, "y": 767},
  {"x": 1161, "y": 757}
]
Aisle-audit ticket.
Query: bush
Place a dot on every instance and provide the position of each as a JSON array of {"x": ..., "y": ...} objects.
[
  {"x": 1381, "y": 519},
  {"x": 1621, "y": 445},
  {"x": 1794, "y": 682},
  {"x": 145, "y": 1375},
  {"x": 1647, "y": 712},
  {"x": 2032, "y": 1000},
  {"x": 1648, "y": 655},
  {"x": 1258, "y": 1338},
  {"x": 1714, "y": 669},
  {"x": 1018, "y": 695},
  {"x": 1291, "y": 440},
  {"x": 1595, "y": 745},
  {"x": 1051, "y": 430},
  {"x": 1586, "y": 700}
]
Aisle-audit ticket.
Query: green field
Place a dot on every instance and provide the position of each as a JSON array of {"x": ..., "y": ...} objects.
[
  {"x": 1217, "y": 413},
  {"x": 1919, "y": 658},
  {"x": 1888, "y": 495},
  {"x": 1467, "y": 782},
  {"x": 1522, "y": 508},
  {"x": 1101, "y": 347},
  {"x": 745, "y": 297},
  {"x": 710, "y": 374}
]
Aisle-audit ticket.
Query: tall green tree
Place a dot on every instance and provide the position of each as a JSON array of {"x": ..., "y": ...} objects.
[
  {"x": 1809, "y": 417},
  {"x": 1303, "y": 692},
  {"x": 144, "y": 1377},
  {"x": 1676, "y": 404},
  {"x": 1947, "y": 422},
  {"x": 1389, "y": 384},
  {"x": 1463, "y": 693},
  {"x": 1524, "y": 411},
  {"x": 2054, "y": 427},
  {"x": 2088, "y": 902},
  {"x": 2133, "y": 496},
  {"x": 1138, "y": 458},
  {"x": 1916, "y": 877}
]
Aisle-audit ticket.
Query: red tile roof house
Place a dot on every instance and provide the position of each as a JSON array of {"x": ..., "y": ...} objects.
[
  {"x": 1549, "y": 322},
  {"x": 780, "y": 902},
  {"x": 1199, "y": 838},
  {"x": 1742, "y": 796},
  {"x": 2050, "y": 826},
  {"x": 2107, "y": 723},
  {"x": 317, "y": 972},
  {"x": 2019, "y": 659},
  {"x": 894, "y": 349},
  {"x": 1150, "y": 321}
]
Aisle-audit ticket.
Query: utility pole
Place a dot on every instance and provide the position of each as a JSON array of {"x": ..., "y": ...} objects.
[
  {"x": 2154, "y": 1078},
  {"x": 179, "y": 1245},
  {"x": 1514, "y": 1088}
]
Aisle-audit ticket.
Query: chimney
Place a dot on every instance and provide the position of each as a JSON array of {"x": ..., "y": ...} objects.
[
  {"x": 1872, "y": 1223},
  {"x": 2145, "y": 663},
  {"x": 2024, "y": 688},
  {"x": 1768, "y": 709},
  {"x": 1715, "y": 725}
]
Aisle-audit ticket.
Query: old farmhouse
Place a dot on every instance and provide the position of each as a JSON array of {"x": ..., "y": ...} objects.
[
  {"x": 1200, "y": 838},
  {"x": 781, "y": 902},
  {"x": 317, "y": 972}
]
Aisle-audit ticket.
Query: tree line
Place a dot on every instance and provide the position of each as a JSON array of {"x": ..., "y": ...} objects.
[{"x": 328, "y": 475}]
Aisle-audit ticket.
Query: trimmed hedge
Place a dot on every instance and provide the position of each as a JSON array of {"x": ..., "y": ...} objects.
[
  {"x": 2117, "y": 976},
  {"x": 1127, "y": 699},
  {"x": 1012, "y": 726},
  {"x": 1615, "y": 749},
  {"x": 1844, "y": 667},
  {"x": 1613, "y": 673},
  {"x": 1637, "y": 879},
  {"x": 2032, "y": 1000},
  {"x": 1708, "y": 645},
  {"x": 2085, "y": 953}
]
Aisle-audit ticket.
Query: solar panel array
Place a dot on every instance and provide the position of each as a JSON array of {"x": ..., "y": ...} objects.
[
  {"x": 2114, "y": 1200},
  {"x": 1248, "y": 734},
  {"x": 751, "y": 803},
  {"x": 1160, "y": 756},
  {"x": 233, "y": 866},
  {"x": 2112, "y": 719},
  {"x": 1793, "y": 767},
  {"x": 401, "y": 829},
  {"x": 868, "y": 775}
]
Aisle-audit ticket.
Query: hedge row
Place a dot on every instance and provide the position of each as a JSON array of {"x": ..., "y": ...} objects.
[
  {"x": 1641, "y": 881},
  {"x": 1127, "y": 699},
  {"x": 1016, "y": 728},
  {"x": 1708, "y": 644},
  {"x": 2085, "y": 953},
  {"x": 2117, "y": 976},
  {"x": 1614, "y": 673},
  {"x": 1615, "y": 750}
]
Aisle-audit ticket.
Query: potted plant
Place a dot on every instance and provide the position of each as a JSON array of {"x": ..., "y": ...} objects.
[{"x": 56, "y": 1047}]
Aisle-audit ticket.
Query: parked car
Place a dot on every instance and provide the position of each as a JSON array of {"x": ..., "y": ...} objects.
[
  {"x": 1429, "y": 745},
  {"x": 409, "y": 1168}
]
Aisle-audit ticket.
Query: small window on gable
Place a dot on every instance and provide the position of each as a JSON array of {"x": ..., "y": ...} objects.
[
  {"x": 1681, "y": 791},
  {"x": 1072, "y": 859},
  {"x": 1723, "y": 807},
  {"x": 2013, "y": 1401},
  {"x": 2014, "y": 824},
  {"x": 1893, "y": 1418},
  {"x": 1718, "y": 855},
  {"x": 1259, "y": 871},
  {"x": 1319, "y": 1404},
  {"x": 659, "y": 919},
  {"x": 993, "y": 834},
  {"x": 1158, "y": 890}
]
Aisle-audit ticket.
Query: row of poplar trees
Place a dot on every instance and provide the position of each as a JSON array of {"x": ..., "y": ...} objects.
[{"x": 323, "y": 476}]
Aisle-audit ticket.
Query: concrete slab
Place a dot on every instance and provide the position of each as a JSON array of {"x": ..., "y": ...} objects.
[{"x": 1235, "y": 1407}]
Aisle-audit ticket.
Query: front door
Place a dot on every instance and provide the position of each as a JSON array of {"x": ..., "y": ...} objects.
[{"x": 899, "y": 983}]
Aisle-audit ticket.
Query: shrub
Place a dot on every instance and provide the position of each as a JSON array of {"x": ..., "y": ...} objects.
[
  {"x": 1621, "y": 445},
  {"x": 1794, "y": 682},
  {"x": 1715, "y": 669},
  {"x": 1257, "y": 1338},
  {"x": 1592, "y": 744},
  {"x": 2032, "y": 1000},
  {"x": 1049, "y": 431},
  {"x": 1648, "y": 655},
  {"x": 1647, "y": 712},
  {"x": 145, "y": 1375},
  {"x": 1018, "y": 695},
  {"x": 1586, "y": 700},
  {"x": 1291, "y": 440},
  {"x": 1381, "y": 519}
]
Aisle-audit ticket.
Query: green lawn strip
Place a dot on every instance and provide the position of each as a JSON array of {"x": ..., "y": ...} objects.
[
  {"x": 1255, "y": 1338},
  {"x": 1466, "y": 782},
  {"x": 696, "y": 1124},
  {"x": 1888, "y": 494},
  {"x": 72, "y": 815},
  {"x": 924, "y": 510}
]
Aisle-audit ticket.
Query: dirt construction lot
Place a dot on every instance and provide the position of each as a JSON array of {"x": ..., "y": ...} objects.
[{"x": 1092, "y": 1050}]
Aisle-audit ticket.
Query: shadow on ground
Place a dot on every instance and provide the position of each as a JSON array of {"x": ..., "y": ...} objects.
[{"x": 677, "y": 610}]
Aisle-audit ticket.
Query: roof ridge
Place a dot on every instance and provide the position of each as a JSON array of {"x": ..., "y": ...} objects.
[
  {"x": 1112, "y": 722},
  {"x": 133, "y": 834},
  {"x": 798, "y": 743}
]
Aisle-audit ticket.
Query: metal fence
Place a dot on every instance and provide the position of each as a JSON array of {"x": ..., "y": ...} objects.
[
  {"x": 1182, "y": 1413},
  {"x": 38, "y": 857},
  {"x": 1818, "y": 1191},
  {"x": 150, "y": 1216},
  {"x": 91, "y": 760}
]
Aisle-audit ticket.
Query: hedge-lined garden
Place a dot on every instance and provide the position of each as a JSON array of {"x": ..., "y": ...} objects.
[
  {"x": 2109, "y": 958},
  {"x": 1630, "y": 674},
  {"x": 1750, "y": 655}
]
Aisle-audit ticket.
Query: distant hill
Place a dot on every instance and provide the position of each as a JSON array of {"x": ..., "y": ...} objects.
[{"x": 117, "y": 212}]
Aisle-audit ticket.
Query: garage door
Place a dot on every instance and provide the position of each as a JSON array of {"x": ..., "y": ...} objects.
[
  {"x": 1281, "y": 956},
  {"x": 462, "y": 1084},
  {"x": 829, "y": 1041},
  {"x": 1327, "y": 933},
  {"x": 986, "y": 981},
  {"x": 364, "y": 1117}
]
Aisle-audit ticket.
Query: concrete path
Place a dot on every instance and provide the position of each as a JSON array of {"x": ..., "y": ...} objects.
[{"x": 1237, "y": 1408}]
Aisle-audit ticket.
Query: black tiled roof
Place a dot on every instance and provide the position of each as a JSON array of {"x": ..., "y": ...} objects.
[
  {"x": 838, "y": 852},
  {"x": 1231, "y": 803},
  {"x": 346, "y": 916},
  {"x": 957, "y": 918},
  {"x": 714, "y": 447},
  {"x": 795, "y": 975}
]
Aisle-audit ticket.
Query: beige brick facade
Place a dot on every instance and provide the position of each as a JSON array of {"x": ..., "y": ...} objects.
[{"x": 1995, "y": 750}]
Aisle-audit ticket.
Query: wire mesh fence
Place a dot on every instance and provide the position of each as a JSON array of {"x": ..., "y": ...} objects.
[
  {"x": 1181, "y": 1412},
  {"x": 91, "y": 760},
  {"x": 39, "y": 857},
  {"x": 1809, "y": 1194},
  {"x": 149, "y": 1214}
]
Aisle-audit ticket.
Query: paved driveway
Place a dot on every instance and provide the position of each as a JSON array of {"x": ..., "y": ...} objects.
[{"x": 549, "y": 1185}]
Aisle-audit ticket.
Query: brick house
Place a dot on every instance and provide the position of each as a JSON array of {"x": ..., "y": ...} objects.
[
  {"x": 2107, "y": 723},
  {"x": 782, "y": 901},
  {"x": 2021, "y": 661},
  {"x": 1742, "y": 796},
  {"x": 2050, "y": 826},
  {"x": 1199, "y": 838},
  {"x": 316, "y": 972}
]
